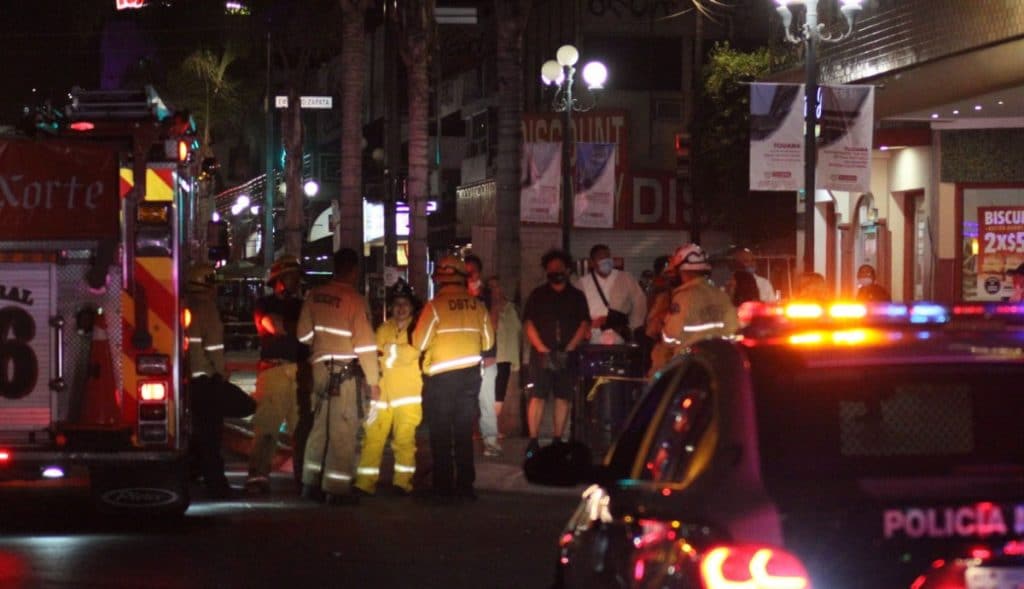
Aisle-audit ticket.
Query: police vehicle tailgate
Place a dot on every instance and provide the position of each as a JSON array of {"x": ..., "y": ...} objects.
[{"x": 890, "y": 462}]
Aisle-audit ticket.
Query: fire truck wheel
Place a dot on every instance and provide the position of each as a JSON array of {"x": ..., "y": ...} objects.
[{"x": 156, "y": 490}]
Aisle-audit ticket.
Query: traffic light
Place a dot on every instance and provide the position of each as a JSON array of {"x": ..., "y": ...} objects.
[{"x": 683, "y": 156}]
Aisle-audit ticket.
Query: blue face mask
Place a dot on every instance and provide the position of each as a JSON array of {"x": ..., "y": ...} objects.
[
  {"x": 752, "y": 269},
  {"x": 605, "y": 266}
]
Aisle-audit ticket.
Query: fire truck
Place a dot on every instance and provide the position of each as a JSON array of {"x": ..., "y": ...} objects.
[{"x": 95, "y": 221}]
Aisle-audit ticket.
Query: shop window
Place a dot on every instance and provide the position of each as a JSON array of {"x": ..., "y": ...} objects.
[{"x": 991, "y": 241}]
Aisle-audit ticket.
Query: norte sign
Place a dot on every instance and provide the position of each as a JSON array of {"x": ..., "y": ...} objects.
[{"x": 57, "y": 190}]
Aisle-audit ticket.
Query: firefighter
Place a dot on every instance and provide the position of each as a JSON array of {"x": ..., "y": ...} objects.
[
  {"x": 452, "y": 332},
  {"x": 335, "y": 323},
  {"x": 205, "y": 333},
  {"x": 275, "y": 316},
  {"x": 699, "y": 310},
  {"x": 399, "y": 410}
]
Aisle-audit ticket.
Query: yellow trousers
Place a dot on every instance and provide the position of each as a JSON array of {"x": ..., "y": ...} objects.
[
  {"x": 330, "y": 457},
  {"x": 275, "y": 403},
  {"x": 398, "y": 418}
]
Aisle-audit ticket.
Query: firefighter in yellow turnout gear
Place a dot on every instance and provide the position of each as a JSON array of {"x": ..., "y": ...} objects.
[
  {"x": 399, "y": 409},
  {"x": 335, "y": 323}
]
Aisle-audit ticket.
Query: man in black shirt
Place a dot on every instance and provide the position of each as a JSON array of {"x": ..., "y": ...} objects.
[
  {"x": 557, "y": 321},
  {"x": 275, "y": 316}
]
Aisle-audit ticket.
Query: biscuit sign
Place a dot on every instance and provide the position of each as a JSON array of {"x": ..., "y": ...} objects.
[
  {"x": 57, "y": 190},
  {"x": 981, "y": 520}
]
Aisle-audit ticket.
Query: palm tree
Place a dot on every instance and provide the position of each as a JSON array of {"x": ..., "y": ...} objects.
[
  {"x": 349, "y": 227},
  {"x": 511, "y": 17},
  {"x": 416, "y": 29}
]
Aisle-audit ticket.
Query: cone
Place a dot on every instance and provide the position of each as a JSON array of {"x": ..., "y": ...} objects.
[{"x": 99, "y": 400}]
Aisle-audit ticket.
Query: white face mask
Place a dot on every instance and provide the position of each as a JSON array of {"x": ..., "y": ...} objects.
[{"x": 865, "y": 281}]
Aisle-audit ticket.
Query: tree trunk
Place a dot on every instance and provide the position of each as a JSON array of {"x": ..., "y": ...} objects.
[
  {"x": 348, "y": 230},
  {"x": 511, "y": 16},
  {"x": 419, "y": 103},
  {"x": 294, "y": 221},
  {"x": 416, "y": 18}
]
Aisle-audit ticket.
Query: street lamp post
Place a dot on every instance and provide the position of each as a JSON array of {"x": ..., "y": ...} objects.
[
  {"x": 561, "y": 73},
  {"x": 811, "y": 34}
]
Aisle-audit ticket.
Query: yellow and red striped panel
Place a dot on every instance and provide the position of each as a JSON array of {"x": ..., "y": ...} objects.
[{"x": 156, "y": 277}]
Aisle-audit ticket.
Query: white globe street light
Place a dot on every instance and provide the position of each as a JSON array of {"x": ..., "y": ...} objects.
[
  {"x": 561, "y": 73},
  {"x": 567, "y": 55},
  {"x": 311, "y": 188},
  {"x": 811, "y": 34},
  {"x": 595, "y": 75}
]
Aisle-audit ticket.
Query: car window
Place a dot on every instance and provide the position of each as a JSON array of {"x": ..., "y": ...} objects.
[
  {"x": 623, "y": 455},
  {"x": 677, "y": 437},
  {"x": 890, "y": 420}
]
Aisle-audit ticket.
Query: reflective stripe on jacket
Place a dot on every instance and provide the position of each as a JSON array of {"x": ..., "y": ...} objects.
[
  {"x": 699, "y": 311},
  {"x": 452, "y": 331},
  {"x": 335, "y": 324},
  {"x": 205, "y": 336}
]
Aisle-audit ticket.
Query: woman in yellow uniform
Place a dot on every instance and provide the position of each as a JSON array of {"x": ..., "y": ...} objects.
[{"x": 399, "y": 410}]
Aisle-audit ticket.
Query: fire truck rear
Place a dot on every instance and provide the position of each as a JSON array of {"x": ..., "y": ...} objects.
[{"x": 93, "y": 219}]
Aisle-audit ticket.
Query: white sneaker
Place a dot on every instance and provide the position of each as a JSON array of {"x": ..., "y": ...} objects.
[{"x": 492, "y": 449}]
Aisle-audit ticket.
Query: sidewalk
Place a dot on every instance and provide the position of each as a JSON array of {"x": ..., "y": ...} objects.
[{"x": 502, "y": 473}]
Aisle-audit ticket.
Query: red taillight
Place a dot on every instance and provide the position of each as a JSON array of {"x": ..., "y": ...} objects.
[
  {"x": 752, "y": 567},
  {"x": 153, "y": 391},
  {"x": 82, "y": 126},
  {"x": 1014, "y": 548},
  {"x": 5, "y": 456}
]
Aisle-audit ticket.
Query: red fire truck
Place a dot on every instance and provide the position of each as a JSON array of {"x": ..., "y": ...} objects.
[{"x": 94, "y": 226}]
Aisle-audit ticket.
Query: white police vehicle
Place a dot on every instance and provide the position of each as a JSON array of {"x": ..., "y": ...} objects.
[{"x": 848, "y": 447}]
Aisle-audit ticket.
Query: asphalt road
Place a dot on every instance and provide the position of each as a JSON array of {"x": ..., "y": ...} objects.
[{"x": 504, "y": 540}]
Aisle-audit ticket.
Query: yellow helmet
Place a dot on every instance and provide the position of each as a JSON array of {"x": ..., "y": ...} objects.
[
  {"x": 283, "y": 265},
  {"x": 450, "y": 269},
  {"x": 201, "y": 277}
]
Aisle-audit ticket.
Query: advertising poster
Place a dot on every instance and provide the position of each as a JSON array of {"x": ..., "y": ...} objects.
[
  {"x": 539, "y": 186},
  {"x": 776, "y": 137},
  {"x": 845, "y": 126},
  {"x": 1000, "y": 248},
  {"x": 595, "y": 185}
]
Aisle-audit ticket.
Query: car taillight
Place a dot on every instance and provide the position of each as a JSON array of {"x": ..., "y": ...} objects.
[
  {"x": 752, "y": 567},
  {"x": 5, "y": 457},
  {"x": 153, "y": 391}
]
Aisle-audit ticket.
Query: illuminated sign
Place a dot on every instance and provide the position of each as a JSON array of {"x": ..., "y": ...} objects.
[{"x": 129, "y": 4}]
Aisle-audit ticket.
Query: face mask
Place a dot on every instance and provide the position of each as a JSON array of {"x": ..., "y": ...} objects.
[
  {"x": 605, "y": 266},
  {"x": 865, "y": 281},
  {"x": 557, "y": 277},
  {"x": 752, "y": 269}
]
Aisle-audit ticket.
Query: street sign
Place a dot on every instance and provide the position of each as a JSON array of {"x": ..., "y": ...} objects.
[{"x": 325, "y": 102}]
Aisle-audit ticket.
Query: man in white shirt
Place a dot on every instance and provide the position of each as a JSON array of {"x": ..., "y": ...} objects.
[
  {"x": 617, "y": 304},
  {"x": 743, "y": 259}
]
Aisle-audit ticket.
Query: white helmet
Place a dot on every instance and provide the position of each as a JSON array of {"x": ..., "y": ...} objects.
[{"x": 690, "y": 257}]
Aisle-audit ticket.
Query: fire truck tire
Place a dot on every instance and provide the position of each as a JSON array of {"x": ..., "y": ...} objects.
[{"x": 151, "y": 489}]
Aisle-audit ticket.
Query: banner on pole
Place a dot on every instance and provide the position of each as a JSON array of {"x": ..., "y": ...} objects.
[
  {"x": 776, "y": 137},
  {"x": 594, "y": 202},
  {"x": 844, "y": 144},
  {"x": 539, "y": 182}
]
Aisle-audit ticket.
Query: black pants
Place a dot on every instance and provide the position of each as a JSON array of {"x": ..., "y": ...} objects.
[
  {"x": 451, "y": 405},
  {"x": 207, "y": 429},
  {"x": 501, "y": 382}
]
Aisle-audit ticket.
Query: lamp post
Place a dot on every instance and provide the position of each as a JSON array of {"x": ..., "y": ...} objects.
[
  {"x": 810, "y": 34},
  {"x": 561, "y": 73}
]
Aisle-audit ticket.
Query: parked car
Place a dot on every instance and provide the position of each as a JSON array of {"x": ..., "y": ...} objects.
[{"x": 855, "y": 447}]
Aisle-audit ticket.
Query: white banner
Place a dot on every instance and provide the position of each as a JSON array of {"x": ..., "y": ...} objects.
[
  {"x": 844, "y": 141},
  {"x": 594, "y": 202},
  {"x": 541, "y": 175},
  {"x": 776, "y": 137}
]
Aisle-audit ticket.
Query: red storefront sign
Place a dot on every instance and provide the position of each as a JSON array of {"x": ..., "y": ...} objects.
[{"x": 57, "y": 190}]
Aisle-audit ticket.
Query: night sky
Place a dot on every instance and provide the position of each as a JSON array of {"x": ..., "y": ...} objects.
[{"x": 49, "y": 45}]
